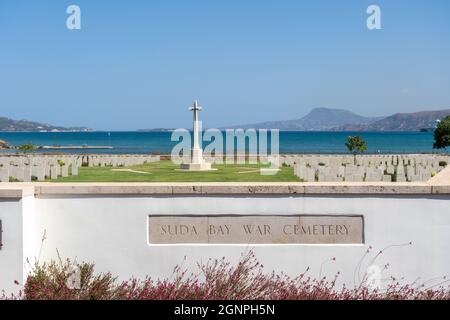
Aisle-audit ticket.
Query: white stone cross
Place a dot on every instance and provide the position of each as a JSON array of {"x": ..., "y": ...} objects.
[
  {"x": 196, "y": 152},
  {"x": 197, "y": 162}
]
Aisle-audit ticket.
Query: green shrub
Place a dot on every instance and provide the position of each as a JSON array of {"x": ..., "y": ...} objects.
[{"x": 27, "y": 147}]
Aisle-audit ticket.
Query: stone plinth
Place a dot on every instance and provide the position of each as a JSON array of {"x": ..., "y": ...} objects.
[{"x": 204, "y": 166}]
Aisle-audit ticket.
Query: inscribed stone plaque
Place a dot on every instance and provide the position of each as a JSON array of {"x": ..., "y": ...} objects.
[{"x": 256, "y": 229}]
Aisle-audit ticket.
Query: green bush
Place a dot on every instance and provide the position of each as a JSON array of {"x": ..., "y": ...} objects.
[{"x": 27, "y": 147}]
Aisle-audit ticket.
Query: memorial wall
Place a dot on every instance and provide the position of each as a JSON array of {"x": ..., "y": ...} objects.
[{"x": 148, "y": 229}]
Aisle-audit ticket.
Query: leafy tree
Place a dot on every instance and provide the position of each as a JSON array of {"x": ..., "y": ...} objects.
[
  {"x": 442, "y": 134},
  {"x": 355, "y": 144}
]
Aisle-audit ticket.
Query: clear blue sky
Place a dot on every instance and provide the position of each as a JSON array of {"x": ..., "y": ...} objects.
[{"x": 139, "y": 64}]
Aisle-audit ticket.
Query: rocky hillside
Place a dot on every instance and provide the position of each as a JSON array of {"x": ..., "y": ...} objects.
[
  {"x": 319, "y": 119},
  {"x": 400, "y": 122},
  {"x": 11, "y": 125},
  {"x": 325, "y": 119}
]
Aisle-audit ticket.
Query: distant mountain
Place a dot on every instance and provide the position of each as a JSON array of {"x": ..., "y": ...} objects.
[
  {"x": 319, "y": 119},
  {"x": 11, "y": 125},
  {"x": 416, "y": 121}
]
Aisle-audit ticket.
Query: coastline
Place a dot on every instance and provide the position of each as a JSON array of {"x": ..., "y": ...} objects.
[{"x": 290, "y": 142}]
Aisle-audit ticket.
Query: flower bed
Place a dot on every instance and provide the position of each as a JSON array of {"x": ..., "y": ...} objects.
[{"x": 217, "y": 279}]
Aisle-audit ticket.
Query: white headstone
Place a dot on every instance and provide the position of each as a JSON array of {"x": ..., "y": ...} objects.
[{"x": 4, "y": 174}]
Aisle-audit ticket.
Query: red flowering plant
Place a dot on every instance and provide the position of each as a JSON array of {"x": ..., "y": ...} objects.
[{"x": 215, "y": 279}]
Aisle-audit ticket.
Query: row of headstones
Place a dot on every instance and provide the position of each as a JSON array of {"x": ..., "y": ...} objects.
[
  {"x": 365, "y": 160},
  {"x": 118, "y": 160},
  {"x": 239, "y": 158},
  {"x": 343, "y": 173},
  {"x": 38, "y": 160},
  {"x": 24, "y": 168},
  {"x": 27, "y": 172},
  {"x": 406, "y": 169},
  {"x": 80, "y": 160}
]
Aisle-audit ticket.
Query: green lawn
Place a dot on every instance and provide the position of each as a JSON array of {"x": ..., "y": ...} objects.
[{"x": 166, "y": 171}]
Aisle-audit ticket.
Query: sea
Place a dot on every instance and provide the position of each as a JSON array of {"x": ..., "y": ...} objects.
[{"x": 133, "y": 142}]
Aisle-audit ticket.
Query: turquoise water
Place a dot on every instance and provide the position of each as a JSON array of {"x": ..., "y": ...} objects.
[{"x": 160, "y": 142}]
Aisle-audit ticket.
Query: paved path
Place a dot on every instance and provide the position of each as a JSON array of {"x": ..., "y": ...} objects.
[
  {"x": 130, "y": 170},
  {"x": 442, "y": 178}
]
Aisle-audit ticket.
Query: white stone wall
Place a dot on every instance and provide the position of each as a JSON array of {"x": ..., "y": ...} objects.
[
  {"x": 12, "y": 252},
  {"x": 111, "y": 231}
]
